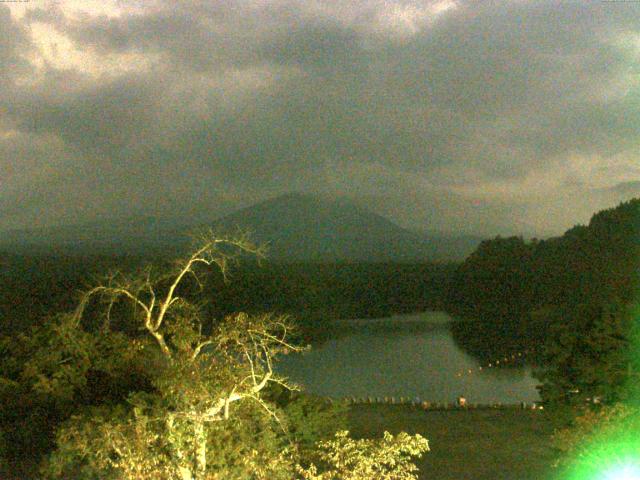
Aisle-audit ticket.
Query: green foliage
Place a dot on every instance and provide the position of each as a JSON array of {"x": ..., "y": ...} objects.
[
  {"x": 343, "y": 290},
  {"x": 140, "y": 441},
  {"x": 33, "y": 286},
  {"x": 167, "y": 432},
  {"x": 252, "y": 444},
  {"x": 493, "y": 280},
  {"x": 310, "y": 419},
  {"x": 344, "y": 458},
  {"x": 587, "y": 355},
  {"x": 109, "y": 443},
  {"x": 493, "y": 288},
  {"x": 565, "y": 299},
  {"x": 65, "y": 359},
  {"x": 139, "y": 382}
]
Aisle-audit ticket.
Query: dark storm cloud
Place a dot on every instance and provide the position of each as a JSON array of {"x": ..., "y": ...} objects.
[
  {"x": 184, "y": 40},
  {"x": 528, "y": 73},
  {"x": 97, "y": 117},
  {"x": 442, "y": 117},
  {"x": 231, "y": 33}
]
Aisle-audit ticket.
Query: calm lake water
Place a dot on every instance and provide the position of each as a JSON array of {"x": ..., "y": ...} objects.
[{"x": 410, "y": 356}]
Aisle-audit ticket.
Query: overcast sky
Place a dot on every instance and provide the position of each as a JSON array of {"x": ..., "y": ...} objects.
[{"x": 459, "y": 116}]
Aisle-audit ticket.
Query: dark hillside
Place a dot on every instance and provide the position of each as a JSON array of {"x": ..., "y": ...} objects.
[
  {"x": 296, "y": 227},
  {"x": 34, "y": 286},
  {"x": 567, "y": 299},
  {"x": 307, "y": 228}
]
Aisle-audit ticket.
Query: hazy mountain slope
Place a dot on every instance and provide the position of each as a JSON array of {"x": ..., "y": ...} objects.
[
  {"x": 296, "y": 227},
  {"x": 305, "y": 227}
]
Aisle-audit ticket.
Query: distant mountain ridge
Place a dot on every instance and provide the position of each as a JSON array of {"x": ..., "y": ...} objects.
[
  {"x": 300, "y": 227},
  {"x": 296, "y": 227}
]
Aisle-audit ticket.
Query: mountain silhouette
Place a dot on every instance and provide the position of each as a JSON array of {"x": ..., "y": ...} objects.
[
  {"x": 299, "y": 227},
  {"x": 296, "y": 227}
]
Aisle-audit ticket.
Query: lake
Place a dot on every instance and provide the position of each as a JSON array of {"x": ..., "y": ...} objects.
[{"x": 404, "y": 356}]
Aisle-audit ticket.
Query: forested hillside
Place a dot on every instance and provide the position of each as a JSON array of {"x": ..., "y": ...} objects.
[
  {"x": 315, "y": 293},
  {"x": 568, "y": 299},
  {"x": 33, "y": 286}
]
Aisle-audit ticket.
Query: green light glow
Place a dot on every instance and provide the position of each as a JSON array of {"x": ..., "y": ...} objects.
[
  {"x": 612, "y": 452},
  {"x": 623, "y": 472},
  {"x": 613, "y": 462}
]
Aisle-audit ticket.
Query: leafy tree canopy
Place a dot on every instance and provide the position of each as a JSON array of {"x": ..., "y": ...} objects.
[{"x": 143, "y": 385}]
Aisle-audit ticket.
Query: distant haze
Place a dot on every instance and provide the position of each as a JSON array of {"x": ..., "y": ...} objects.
[
  {"x": 294, "y": 227},
  {"x": 304, "y": 227},
  {"x": 453, "y": 116}
]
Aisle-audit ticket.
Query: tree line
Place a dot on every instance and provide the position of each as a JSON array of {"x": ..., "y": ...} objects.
[
  {"x": 33, "y": 285},
  {"x": 570, "y": 299}
]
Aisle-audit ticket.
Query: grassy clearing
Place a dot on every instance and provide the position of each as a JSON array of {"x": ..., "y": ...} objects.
[{"x": 508, "y": 444}]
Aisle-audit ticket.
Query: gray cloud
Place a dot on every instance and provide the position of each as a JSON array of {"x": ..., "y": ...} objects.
[
  {"x": 625, "y": 189},
  {"x": 14, "y": 45},
  {"x": 476, "y": 119}
]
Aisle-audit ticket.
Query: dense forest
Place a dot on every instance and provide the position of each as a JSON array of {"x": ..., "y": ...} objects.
[
  {"x": 316, "y": 293},
  {"x": 31, "y": 287},
  {"x": 569, "y": 300}
]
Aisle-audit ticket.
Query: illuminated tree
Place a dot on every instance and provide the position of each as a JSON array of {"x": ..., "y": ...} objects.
[
  {"x": 160, "y": 391},
  {"x": 196, "y": 378},
  {"x": 387, "y": 459}
]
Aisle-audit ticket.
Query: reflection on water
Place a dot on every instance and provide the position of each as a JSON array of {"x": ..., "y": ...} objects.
[{"x": 410, "y": 356}]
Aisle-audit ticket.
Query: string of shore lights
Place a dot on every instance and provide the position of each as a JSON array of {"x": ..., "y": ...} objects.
[{"x": 506, "y": 360}]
